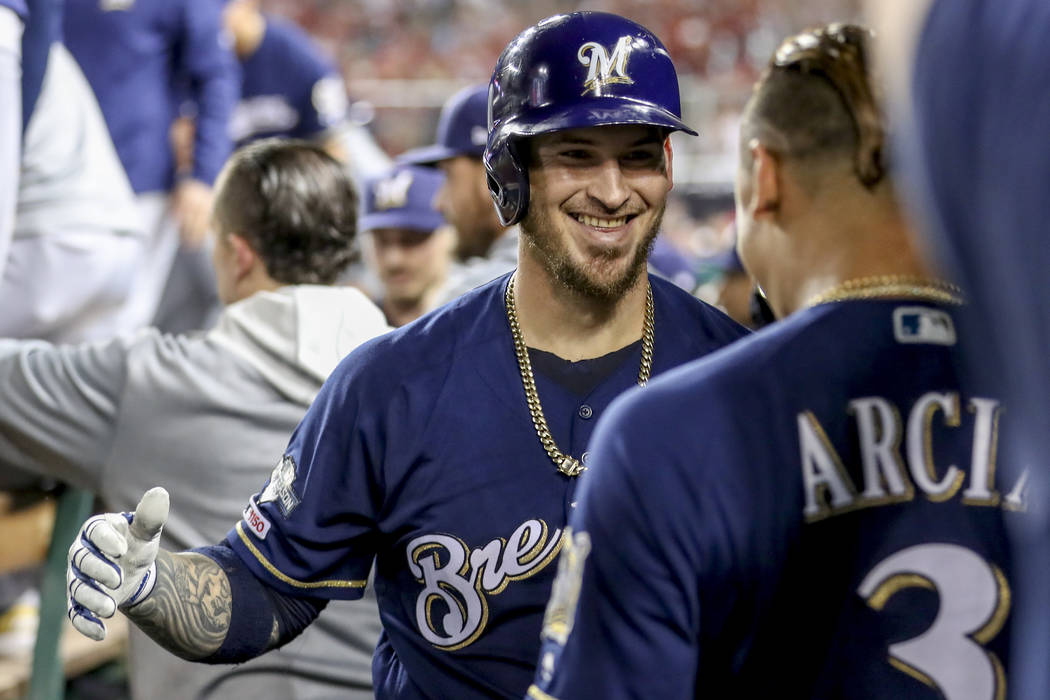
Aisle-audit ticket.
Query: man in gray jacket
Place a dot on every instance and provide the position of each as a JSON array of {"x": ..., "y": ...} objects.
[{"x": 204, "y": 414}]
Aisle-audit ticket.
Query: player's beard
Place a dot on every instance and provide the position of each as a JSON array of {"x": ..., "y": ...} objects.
[{"x": 552, "y": 252}]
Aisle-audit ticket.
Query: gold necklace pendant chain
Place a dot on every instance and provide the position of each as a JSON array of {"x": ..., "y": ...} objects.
[
  {"x": 890, "y": 287},
  {"x": 567, "y": 464}
]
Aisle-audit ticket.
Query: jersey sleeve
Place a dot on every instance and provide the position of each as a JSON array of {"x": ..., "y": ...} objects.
[
  {"x": 312, "y": 529},
  {"x": 624, "y": 611},
  {"x": 214, "y": 78},
  {"x": 58, "y": 416}
]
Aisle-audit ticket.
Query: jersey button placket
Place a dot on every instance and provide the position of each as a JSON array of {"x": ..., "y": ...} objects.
[{"x": 585, "y": 412}]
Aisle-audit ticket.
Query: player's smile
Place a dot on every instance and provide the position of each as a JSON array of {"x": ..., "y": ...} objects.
[{"x": 603, "y": 235}]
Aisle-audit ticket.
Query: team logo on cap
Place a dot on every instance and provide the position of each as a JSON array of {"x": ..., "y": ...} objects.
[
  {"x": 604, "y": 68},
  {"x": 392, "y": 193}
]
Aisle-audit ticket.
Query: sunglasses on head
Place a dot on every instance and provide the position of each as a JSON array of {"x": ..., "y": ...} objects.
[{"x": 838, "y": 53}]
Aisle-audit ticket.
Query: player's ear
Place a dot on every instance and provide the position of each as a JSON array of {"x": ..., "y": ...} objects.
[
  {"x": 244, "y": 256},
  {"x": 668, "y": 162},
  {"x": 765, "y": 179}
]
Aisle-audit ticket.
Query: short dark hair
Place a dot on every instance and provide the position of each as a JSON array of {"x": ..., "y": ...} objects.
[
  {"x": 295, "y": 205},
  {"x": 816, "y": 101}
]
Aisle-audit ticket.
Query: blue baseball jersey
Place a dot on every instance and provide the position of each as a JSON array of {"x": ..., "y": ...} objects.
[
  {"x": 134, "y": 53},
  {"x": 988, "y": 205},
  {"x": 420, "y": 453},
  {"x": 288, "y": 88},
  {"x": 814, "y": 512},
  {"x": 16, "y": 6}
]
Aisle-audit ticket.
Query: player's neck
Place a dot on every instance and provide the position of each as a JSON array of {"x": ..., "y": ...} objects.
[
  {"x": 257, "y": 280},
  {"x": 570, "y": 325},
  {"x": 398, "y": 312},
  {"x": 889, "y": 253}
]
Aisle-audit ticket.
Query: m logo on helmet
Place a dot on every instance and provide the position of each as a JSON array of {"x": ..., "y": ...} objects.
[
  {"x": 605, "y": 68},
  {"x": 392, "y": 193}
]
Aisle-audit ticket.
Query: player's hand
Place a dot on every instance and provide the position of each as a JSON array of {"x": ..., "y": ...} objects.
[
  {"x": 112, "y": 563},
  {"x": 191, "y": 206}
]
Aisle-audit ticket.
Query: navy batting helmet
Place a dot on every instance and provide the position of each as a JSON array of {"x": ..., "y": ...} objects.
[{"x": 567, "y": 72}]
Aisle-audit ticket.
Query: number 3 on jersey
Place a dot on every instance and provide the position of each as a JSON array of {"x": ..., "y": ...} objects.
[{"x": 974, "y": 602}]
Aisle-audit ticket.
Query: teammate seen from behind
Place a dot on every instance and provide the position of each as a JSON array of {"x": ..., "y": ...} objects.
[
  {"x": 816, "y": 511},
  {"x": 447, "y": 451},
  {"x": 411, "y": 245},
  {"x": 204, "y": 415}
]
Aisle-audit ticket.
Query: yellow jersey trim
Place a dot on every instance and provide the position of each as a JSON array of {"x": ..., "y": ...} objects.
[
  {"x": 537, "y": 694},
  {"x": 281, "y": 576}
]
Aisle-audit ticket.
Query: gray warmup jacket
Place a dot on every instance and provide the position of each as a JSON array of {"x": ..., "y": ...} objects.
[{"x": 207, "y": 416}]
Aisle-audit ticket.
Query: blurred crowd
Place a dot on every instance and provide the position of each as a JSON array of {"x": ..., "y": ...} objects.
[{"x": 399, "y": 57}]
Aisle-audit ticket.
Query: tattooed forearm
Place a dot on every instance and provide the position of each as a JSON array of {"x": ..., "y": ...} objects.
[{"x": 189, "y": 611}]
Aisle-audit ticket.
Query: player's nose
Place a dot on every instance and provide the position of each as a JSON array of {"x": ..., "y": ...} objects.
[{"x": 609, "y": 186}]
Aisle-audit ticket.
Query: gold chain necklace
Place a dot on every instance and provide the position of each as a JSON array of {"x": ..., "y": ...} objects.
[
  {"x": 566, "y": 464},
  {"x": 890, "y": 287}
]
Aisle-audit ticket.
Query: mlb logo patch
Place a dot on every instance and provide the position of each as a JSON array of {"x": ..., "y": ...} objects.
[{"x": 921, "y": 324}]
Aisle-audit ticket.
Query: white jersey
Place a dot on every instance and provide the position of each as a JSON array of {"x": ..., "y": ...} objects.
[{"x": 71, "y": 178}]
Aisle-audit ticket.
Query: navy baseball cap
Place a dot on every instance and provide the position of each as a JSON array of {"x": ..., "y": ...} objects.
[
  {"x": 462, "y": 129},
  {"x": 402, "y": 198}
]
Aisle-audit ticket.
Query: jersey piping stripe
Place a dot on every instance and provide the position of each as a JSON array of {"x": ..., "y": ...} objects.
[{"x": 281, "y": 576}]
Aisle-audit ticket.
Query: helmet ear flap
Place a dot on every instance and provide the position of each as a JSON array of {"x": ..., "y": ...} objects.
[{"x": 508, "y": 180}]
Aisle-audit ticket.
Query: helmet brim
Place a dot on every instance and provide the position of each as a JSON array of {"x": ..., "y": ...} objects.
[{"x": 609, "y": 112}]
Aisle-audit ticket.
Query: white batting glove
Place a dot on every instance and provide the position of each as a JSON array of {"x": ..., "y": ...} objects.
[{"x": 112, "y": 563}]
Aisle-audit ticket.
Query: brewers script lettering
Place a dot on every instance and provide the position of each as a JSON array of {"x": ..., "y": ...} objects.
[{"x": 452, "y": 610}]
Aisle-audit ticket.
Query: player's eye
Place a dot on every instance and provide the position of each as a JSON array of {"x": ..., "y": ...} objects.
[
  {"x": 575, "y": 154},
  {"x": 642, "y": 157}
]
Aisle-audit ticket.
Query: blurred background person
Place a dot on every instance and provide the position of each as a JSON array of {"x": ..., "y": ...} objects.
[
  {"x": 977, "y": 166},
  {"x": 485, "y": 248},
  {"x": 208, "y": 411},
  {"x": 12, "y": 22},
  {"x": 290, "y": 87},
  {"x": 76, "y": 238},
  {"x": 140, "y": 57},
  {"x": 70, "y": 241},
  {"x": 411, "y": 245},
  {"x": 727, "y": 285}
]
